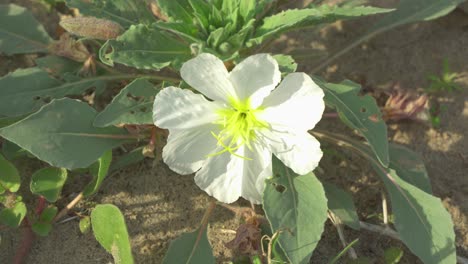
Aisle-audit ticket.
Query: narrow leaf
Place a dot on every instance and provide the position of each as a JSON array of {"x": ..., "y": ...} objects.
[
  {"x": 99, "y": 171},
  {"x": 176, "y": 10},
  {"x": 9, "y": 176},
  {"x": 360, "y": 113},
  {"x": 190, "y": 248},
  {"x": 295, "y": 206},
  {"x": 286, "y": 63},
  {"x": 48, "y": 182},
  {"x": 13, "y": 217},
  {"x": 341, "y": 204},
  {"x": 132, "y": 157},
  {"x": 133, "y": 105},
  {"x": 62, "y": 134},
  {"x": 124, "y": 12},
  {"x": 26, "y": 90},
  {"x": 110, "y": 231},
  {"x": 145, "y": 47},
  {"x": 20, "y": 32}
]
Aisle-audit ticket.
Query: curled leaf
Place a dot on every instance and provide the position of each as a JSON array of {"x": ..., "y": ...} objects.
[
  {"x": 92, "y": 27},
  {"x": 68, "y": 47},
  {"x": 247, "y": 240}
]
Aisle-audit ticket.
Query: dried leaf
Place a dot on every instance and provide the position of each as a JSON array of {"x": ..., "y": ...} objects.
[
  {"x": 70, "y": 48},
  {"x": 402, "y": 105},
  {"x": 92, "y": 27}
]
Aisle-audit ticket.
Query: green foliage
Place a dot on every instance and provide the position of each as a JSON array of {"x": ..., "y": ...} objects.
[
  {"x": 176, "y": 10},
  {"x": 20, "y": 32},
  {"x": 85, "y": 224},
  {"x": 9, "y": 176},
  {"x": 393, "y": 255},
  {"x": 348, "y": 247},
  {"x": 360, "y": 113},
  {"x": 43, "y": 225},
  {"x": 190, "y": 248},
  {"x": 128, "y": 159},
  {"x": 19, "y": 97},
  {"x": 341, "y": 204},
  {"x": 110, "y": 231},
  {"x": 62, "y": 134},
  {"x": 286, "y": 63},
  {"x": 58, "y": 66},
  {"x": 445, "y": 82},
  {"x": 296, "y": 206},
  {"x": 124, "y": 12},
  {"x": 48, "y": 182},
  {"x": 12, "y": 151},
  {"x": 132, "y": 105},
  {"x": 298, "y": 18},
  {"x": 13, "y": 216},
  {"x": 145, "y": 47},
  {"x": 99, "y": 171}
]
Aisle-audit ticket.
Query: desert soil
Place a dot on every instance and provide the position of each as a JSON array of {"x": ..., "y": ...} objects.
[{"x": 159, "y": 205}]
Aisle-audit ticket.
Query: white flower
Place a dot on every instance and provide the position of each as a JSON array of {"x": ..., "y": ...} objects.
[{"x": 229, "y": 141}]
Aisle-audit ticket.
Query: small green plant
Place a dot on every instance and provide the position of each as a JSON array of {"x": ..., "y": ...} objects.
[{"x": 446, "y": 82}]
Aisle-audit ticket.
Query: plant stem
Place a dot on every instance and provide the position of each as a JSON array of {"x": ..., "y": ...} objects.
[
  {"x": 69, "y": 206},
  {"x": 384, "y": 208},
  {"x": 339, "y": 228}
]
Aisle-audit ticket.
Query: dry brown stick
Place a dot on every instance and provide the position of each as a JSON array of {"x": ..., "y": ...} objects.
[{"x": 69, "y": 206}]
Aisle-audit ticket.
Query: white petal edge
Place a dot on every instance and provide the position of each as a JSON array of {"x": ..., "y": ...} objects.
[
  {"x": 296, "y": 104},
  {"x": 227, "y": 177},
  {"x": 255, "y": 77},
  {"x": 299, "y": 151},
  {"x": 176, "y": 108},
  {"x": 186, "y": 150},
  {"x": 208, "y": 75}
]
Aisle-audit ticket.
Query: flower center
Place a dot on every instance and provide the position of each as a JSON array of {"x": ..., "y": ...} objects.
[{"x": 239, "y": 123}]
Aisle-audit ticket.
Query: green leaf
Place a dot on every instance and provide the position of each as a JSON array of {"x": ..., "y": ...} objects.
[
  {"x": 43, "y": 226},
  {"x": 133, "y": 105},
  {"x": 393, "y": 255},
  {"x": 58, "y": 66},
  {"x": 341, "y": 204},
  {"x": 85, "y": 224},
  {"x": 9, "y": 176},
  {"x": 12, "y": 151},
  {"x": 190, "y": 248},
  {"x": 111, "y": 232},
  {"x": 187, "y": 31},
  {"x": 340, "y": 254},
  {"x": 13, "y": 217},
  {"x": 124, "y": 12},
  {"x": 42, "y": 229},
  {"x": 297, "y": 18},
  {"x": 6, "y": 121},
  {"x": 48, "y": 182},
  {"x": 286, "y": 63},
  {"x": 145, "y": 47},
  {"x": 62, "y": 134},
  {"x": 410, "y": 167},
  {"x": 48, "y": 214},
  {"x": 20, "y": 32},
  {"x": 409, "y": 11},
  {"x": 296, "y": 207},
  {"x": 99, "y": 171},
  {"x": 177, "y": 10},
  {"x": 132, "y": 157},
  {"x": 19, "y": 97},
  {"x": 360, "y": 113}
]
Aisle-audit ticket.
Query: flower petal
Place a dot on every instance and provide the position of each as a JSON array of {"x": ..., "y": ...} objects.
[
  {"x": 255, "y": 77},
  {"x": 227, "y": 177},
  {"x": 176, "y": 108},
  {"x": 296, "y": 104},
  {"x": 208, "y": 75},
  {"x": 187, "y": 149},
  {"x": 299, "y": 151}
]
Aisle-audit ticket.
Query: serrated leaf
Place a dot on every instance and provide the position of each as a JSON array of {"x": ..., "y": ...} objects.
[
  {"x": 26, "y": 90},
  {"x": 393, "y": 255},
  {"x": 177, "y": 10},
  {"x": 296, "y": 18},
  {"x": 62, "y": 134},
  {"x": 9, "y": 176},
  {"x": 341, "y": 204},
  {"x": 409, "y": 11},
  {"x": 133, "y": 105},
  {"x": 360, "y": 113},
  {"x": 85, "y": 224},
  {"x": 99, "y": 171},
  {"x": 296, "y": 206},
  {"x": 13, "y": 217},
  {"x": 410, "y": 167},
  {"x": 124, "y": 12},
  {"x": 145, "y": 47},
  {"x": 48, "y": 182},
  {"x": 286, "y": 63},
  {"x": 110, "y": 231},
  {"x": 190, "y": 248},
  {"x": 20, "y": 32}
]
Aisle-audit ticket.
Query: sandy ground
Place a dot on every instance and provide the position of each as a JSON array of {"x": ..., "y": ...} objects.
[{"x": 159, "y": 205}]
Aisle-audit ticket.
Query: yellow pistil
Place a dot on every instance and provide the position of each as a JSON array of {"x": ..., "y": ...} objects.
[{"x": 238, "y": 126}]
